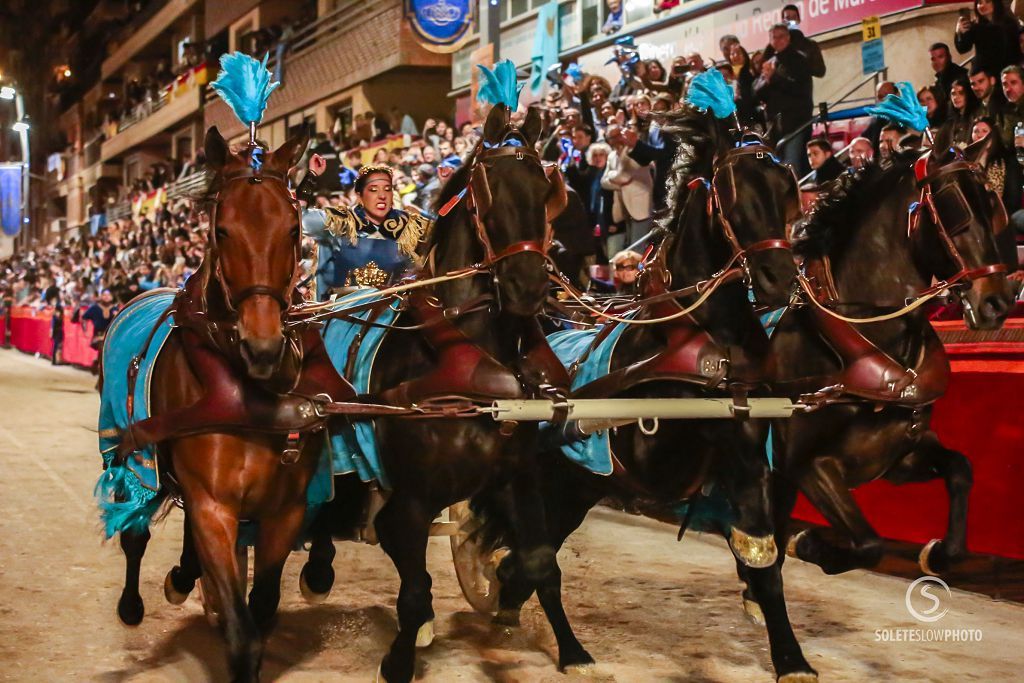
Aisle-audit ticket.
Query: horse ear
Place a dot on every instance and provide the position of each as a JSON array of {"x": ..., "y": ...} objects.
[
  {"x": 494, "y": 126},
  {"x": 532, "y": 126},
  {"x": 288, "y": 154},
  {"x": 216, "y": 147},
  {"x": 978, "y": 152}
]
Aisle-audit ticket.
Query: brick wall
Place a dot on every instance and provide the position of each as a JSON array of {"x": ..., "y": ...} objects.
[{"x": 377, "y": 43}]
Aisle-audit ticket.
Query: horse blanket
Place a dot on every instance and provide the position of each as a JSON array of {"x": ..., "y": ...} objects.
[{"x": 128, "y": 492}]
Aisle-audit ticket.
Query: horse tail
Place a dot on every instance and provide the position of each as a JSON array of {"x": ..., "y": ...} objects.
[{"x": 492, "y": 511}]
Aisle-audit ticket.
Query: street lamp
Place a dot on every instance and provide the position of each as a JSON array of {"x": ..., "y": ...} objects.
[
  {"x": 20, "y": 126},
  {"x": 7, "y": 93}
]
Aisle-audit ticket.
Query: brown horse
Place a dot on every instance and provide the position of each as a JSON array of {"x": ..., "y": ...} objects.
[{"x": 227, "y": 394}]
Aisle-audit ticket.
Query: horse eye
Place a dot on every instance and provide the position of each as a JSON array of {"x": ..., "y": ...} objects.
[
  {"x": 221, "y": 233},
  {"x": 295, "y": 232}
]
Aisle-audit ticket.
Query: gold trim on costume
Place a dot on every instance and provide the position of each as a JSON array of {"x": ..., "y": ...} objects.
[
  {"x": 406, "y": 229},
  {"x": 370, "y": 275}
]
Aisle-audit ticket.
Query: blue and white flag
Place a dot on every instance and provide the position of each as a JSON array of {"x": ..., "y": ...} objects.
[
  {"x": 545, "y": 45},
  {"x": 10, "y": 198}
]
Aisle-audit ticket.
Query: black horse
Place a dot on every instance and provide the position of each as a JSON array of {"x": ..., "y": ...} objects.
[
  {"x": 482, "y": 340},
  {"x": 878, "y": 260},
  {"x": 731, "y": 204}
]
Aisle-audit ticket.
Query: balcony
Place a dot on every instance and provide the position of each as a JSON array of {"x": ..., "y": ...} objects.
[
  {"x": 176, "y": 102},
  {"x": 143, "y": 32},
  {"x": 356, "y": 42}
]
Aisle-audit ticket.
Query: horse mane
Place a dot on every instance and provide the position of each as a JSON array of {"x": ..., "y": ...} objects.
[
  {"x": 698, "y": 136},
  {"x": 838, "y": 214}
]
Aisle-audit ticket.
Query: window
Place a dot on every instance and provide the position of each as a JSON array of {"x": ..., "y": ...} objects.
[
  {"x": 637, "y": 10},
  {"x": 591, "y": 18}
]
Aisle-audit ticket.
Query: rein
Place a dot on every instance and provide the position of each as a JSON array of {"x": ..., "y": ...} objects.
[
  {"x": 965, "y": 274},
  {"x": 728, "y": 272}
]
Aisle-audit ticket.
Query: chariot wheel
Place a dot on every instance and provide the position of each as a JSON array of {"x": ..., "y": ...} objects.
[{"x": 475, "y": 568}]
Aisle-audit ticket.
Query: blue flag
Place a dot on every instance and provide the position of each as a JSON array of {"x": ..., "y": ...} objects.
[
  {"x": 545, "y": 45},
  {"x": 10, "y": 198}
]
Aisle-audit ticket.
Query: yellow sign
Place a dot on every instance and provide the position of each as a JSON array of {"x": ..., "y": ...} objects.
[{"x": 870, "y": 28}]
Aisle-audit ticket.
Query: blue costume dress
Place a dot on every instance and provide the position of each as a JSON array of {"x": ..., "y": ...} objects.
[{"x": 355, "y": 251}]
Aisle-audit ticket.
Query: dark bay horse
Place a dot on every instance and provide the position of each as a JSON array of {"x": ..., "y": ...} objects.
[
  {"x": 467, "y": 351},
  {"x": 221, "y": 386},
  {"x": 732, "y": 204},
  {"x": 877, "y": 262}
]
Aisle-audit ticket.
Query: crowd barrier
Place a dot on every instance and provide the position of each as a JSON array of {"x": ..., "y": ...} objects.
[{"x": 30, "y": 333}]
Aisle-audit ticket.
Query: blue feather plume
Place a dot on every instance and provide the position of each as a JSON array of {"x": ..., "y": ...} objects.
[
  {"x": 244, "y": 84},
  {"x": 903, "y": 109},
  {"x": 709, "y": 92},
  {"x": 499, "y": 86}
]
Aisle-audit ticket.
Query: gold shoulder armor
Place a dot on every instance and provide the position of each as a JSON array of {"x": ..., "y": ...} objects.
[{"x": 342, "y": 223}]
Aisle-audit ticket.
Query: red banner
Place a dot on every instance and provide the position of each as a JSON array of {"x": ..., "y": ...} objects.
[{"x": 31, "y": 333}]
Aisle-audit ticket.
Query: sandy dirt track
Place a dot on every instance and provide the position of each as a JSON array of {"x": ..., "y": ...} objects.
[{"x": 648, "y": 608}]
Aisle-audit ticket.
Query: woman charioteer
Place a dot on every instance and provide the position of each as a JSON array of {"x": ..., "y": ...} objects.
[{"x": 369, "y": 245}]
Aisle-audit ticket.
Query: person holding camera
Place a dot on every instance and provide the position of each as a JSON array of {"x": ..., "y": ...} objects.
[{"x": 993, "y": 34}]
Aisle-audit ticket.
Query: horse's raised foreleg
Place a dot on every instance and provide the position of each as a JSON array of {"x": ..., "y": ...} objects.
[
  {"x": 130, "y": 608},
  {"x": 826, "y": 489},
  {"x": 277, "y": 536},
  {"x": 215, "y": 530},
  {"x": 783, "y": 500},
  {"x": 403, "y": 525},
  {"x": 931, "y": 460},
  {"x": 181, "y": 580}
]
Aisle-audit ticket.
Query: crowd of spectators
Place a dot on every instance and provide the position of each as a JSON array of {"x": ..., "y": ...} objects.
[{"x": 608, "y": 141}]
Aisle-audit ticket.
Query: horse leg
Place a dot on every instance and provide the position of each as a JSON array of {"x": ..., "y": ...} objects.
[
  {"x": 317, "y": 576},
  {"x": 130, "y": 608},
  {"x": 783, "y": 500},
  {"x": 538, "y": 563},
  {"x": 215, "y": 531},
  {"x": 403, "y": 525},
  {"x": 753, "y": 542},
  {"x": 931, "y": 460},
  {"x": 181, "y": 580},
  {"x": 826, "y": 489},
  {"x": 277, "y": 537}
]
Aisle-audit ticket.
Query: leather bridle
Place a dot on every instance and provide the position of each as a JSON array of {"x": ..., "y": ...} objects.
[
  {"x": 479, "y": 199},
  {"x": 232, "y": 302},
  {"x": 934, "y": 199},
  {"x": 724, "y": 168}
]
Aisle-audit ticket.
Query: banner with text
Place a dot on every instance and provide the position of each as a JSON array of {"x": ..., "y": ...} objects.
[{"x": 10, "y": 198}]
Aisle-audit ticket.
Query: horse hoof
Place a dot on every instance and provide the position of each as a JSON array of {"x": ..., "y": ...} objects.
[
  {"x": 171, "y": 593},
  {"x": 587, "y": 669},
  {"x": 753, "y": 611},
  {"x": 130, "y": 610},
  {"x": 793, "y": 541},
  {"x": 799, "y": 677},
  {"x": 922, "y": 559},
  {"x": 308, "y": 594},
  {"x": 425, "y": 636}
]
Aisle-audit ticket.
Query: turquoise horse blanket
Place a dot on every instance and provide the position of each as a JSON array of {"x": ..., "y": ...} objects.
[
  {"x": 595, "y": 451},
  {"x": 356, "y": 450},
  {"x": 128, "y": 492}
]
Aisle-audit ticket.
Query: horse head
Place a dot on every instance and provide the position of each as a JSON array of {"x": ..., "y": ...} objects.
[
  {"x": 254, "y": 245},
  {"x": 511, "y": 199},
  {"x": 954, "y": 229},
  {"x": 744, "y": 201}
]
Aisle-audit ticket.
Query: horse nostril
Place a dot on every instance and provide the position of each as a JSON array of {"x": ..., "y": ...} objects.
[{"x": 995, "y": 305}]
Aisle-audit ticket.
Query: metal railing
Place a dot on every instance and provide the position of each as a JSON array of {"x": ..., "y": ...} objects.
[
  {"x": 183, "y": 188},
  {"x": 824, "y": 107}
]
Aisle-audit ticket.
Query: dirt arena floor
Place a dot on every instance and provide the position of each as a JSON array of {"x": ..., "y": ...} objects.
[{"x": 648, "y": 608}]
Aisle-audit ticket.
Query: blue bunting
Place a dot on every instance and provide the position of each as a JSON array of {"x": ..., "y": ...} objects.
[
  {"x": 244, "y": 84},
  {"x": 709, "y": 92},
  {"x": 500, "y": 85},
  {"x": 903, "y": 109}
]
